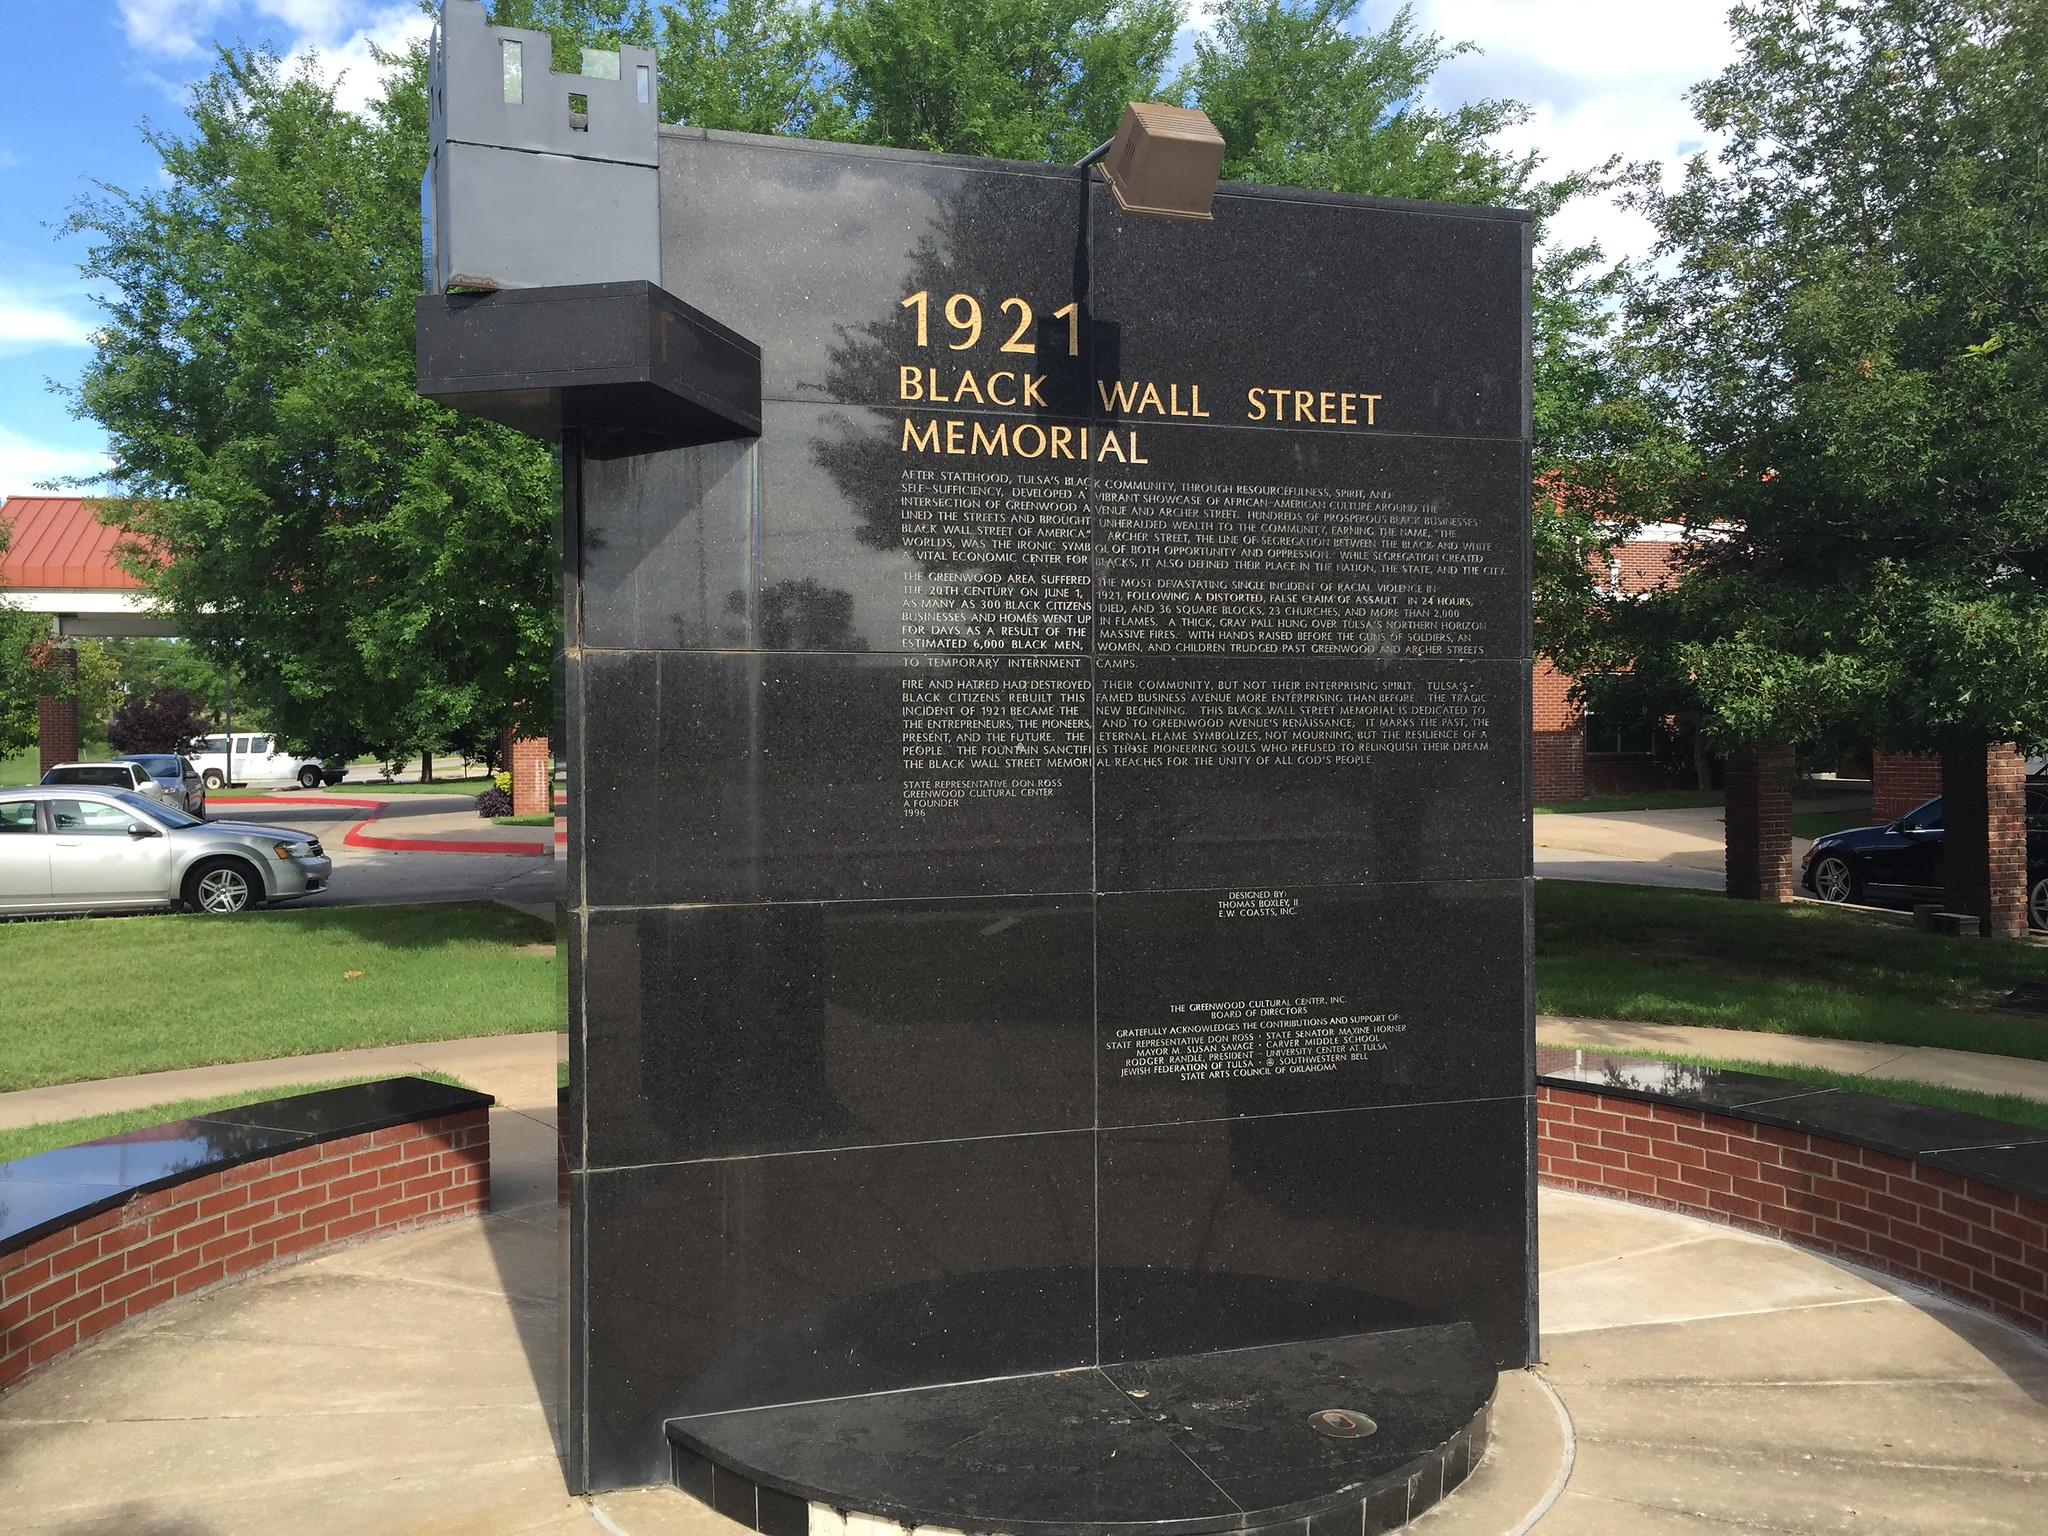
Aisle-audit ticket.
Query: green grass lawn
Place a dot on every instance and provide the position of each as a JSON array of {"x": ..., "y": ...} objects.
[
  {"x": 471, "y": 786},
  {"x": 1812, "y": 824},
  {"x": 27, "y": 1140},
  {"x": 536, "y": 819},
  {"x": 104, "y": 997},
  {"x": 1642, "y": 800},
  {"x": 1694, "y": 957},
  {"x": 2013, "y": 1108}
]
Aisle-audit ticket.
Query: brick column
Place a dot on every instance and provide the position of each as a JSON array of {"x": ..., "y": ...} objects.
[
  {"x": 533, "y": 785},
  {"x": 1759, "y": 821},
  {"x": 56, "y": 715},
  {"x": 56, "y": 731},
  {"x": 1558, "y": 747},
  {"x": 1984, "y": 837},
  {"x": 1900, "y": 781}
]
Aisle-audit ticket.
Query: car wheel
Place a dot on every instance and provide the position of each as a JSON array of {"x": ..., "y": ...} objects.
[
  {"x": 309, "y": 777},
  {"x": 2037, "y": 904},
  {"x": 222, "y": 886},
  {"x": 213, "y": 778},
  {"x": 1835, "y": 880}
]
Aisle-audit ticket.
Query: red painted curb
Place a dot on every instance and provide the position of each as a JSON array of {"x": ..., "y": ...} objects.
[{"x": 356, "y": 837}]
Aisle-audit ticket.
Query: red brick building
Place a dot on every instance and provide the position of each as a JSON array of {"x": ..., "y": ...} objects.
[{"x": 1575, "y": 756}]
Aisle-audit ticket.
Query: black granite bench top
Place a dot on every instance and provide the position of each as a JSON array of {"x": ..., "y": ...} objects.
[
  {"x": 1995, "y": 1152},
  {"x": 51, "y": 1190},
  {"x": 1217, "y": 1442}
]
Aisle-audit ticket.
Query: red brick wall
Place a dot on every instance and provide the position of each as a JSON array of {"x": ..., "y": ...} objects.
[
  {"x": 1982, "y": 1245},
  {"x": 1759, "y": 819},
  {"x": 64, "y": 1288},
  {"x": 1645, "y": 565},
  {"x": 1898, "y": 783},
  {"x": 533, "y": 788},
  {"x": 1984, "y": 838},
  {"x": 1559, "y": 748},
  {"x": 56, "y": 732}
]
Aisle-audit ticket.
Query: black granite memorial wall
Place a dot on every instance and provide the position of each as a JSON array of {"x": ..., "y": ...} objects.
[{"x": 1048, "y": 818}]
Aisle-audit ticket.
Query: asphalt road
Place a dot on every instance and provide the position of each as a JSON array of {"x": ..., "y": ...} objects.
[{"x": 376, "y": 877}]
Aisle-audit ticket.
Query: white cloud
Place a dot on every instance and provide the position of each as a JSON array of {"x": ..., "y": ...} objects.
[
  {"x": 348, "y": 64},
  {"x": 29, "y": 320},
  {"x": 1603, "y": 77},
  {"x": 25, "y": 463},
  {"x": 177, "y": 28},
  {"x": 8, "y": 158}
]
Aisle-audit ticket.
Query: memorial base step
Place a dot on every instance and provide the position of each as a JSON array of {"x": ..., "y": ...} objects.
[{"x": 1337, "y": 1437}]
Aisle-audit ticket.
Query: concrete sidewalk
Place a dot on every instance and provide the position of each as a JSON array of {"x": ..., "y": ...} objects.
[
  {"x": 1694, "y": 1378},
  {"x": 517, "y": 1070},
  {"x": 1691, "y": 837},
  {"x": 1918, "y": 1063}
]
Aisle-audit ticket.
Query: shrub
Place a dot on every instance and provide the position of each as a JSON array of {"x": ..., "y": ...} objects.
[
  {"x": 494, "y": 802},
  {"x": 503, "y": 779},
  {"x": 166, "y": 721}
]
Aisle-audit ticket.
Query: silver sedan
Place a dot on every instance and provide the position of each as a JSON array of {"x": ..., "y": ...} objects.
[{"x": 72, "y": 849}]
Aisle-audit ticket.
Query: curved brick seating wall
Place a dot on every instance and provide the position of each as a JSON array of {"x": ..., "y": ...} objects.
[
  {"x": 1973, "y": 1240},
  {"x": 79, "y": 1272}
]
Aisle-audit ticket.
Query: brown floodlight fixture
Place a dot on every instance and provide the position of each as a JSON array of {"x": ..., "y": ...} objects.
[{"x": 1164, "y": 161}]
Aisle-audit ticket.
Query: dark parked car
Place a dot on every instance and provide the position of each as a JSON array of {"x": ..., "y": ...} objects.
[
  {"x": 175, "y": 776},
  {"x": 1902, "y": 862}
]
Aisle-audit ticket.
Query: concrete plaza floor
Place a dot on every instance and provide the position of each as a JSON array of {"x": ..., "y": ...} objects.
[{"x": 1694, "y": 1379}]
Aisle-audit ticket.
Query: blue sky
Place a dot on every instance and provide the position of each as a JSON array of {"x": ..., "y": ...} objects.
[{"x": 1603, "y": 76}]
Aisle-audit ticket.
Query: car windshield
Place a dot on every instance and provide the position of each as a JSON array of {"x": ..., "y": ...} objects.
[
  {"x": 159, "y": 765},
  {"x": 167, "y": 815}
]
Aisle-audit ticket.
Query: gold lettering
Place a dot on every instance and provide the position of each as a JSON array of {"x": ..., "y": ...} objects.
[
  {"x": 1084, "y": 444},
  {"x": 1279, "y": 403},
  {"x": 910, "y": 382},
  {"x": 1195, "y": 401},
  {"x": 1151, "y": 399},
  {"x": 1370, "y": 402},
  {"x": 925, "y": 439},
  {"x": 1325, "y": 403},
  {"x": 1173, "y": 401},
  {"x": 931, "y": 388},
  {"x": 1017, "y": 439},
  {"x": 967, "y": 387},
  {"x": 1111, "y": 445},
  {"x": 993, "y": 397},
  {"x": 1304, "y": 405},
  {"x": 1258, "y": 406},
  {"x": 955, "y": 431},
  {"x": 1137, "y": 457},
  {"x": 997, "y": 441},
  {"x": 1034, "y": 389},
  {"x": 1347, "y": 412},
  {"x": 1062, "y": 442},
  {"x": 1117, "y": 394}
]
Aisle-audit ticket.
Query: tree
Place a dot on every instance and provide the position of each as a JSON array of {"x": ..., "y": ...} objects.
[
  {"x": 165, "y": 721},
  {"x": 1019, "y": 79},
  {"x": 20, "y": 682},
  {"x": 1854, "y": 333},
  {"x": 377, "y": 567}
]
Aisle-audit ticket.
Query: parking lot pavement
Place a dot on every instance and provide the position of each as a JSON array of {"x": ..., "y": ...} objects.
[{"x": 386, "y": 876}]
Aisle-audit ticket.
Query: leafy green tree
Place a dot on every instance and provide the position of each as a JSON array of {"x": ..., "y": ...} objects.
[
  {"x": 377, "y": 568},
  {"x": 20, "y": 684},
  {"x": 1018, "y": 79},
  {"x": 1853, "y": 329},
  {"x": 755, "y": 66}
]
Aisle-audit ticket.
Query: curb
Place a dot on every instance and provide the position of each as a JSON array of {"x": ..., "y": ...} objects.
[{"x": 356, "y": 837}]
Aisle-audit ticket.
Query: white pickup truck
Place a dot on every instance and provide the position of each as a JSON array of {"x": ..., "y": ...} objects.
[{"x": 256, "y": 760}]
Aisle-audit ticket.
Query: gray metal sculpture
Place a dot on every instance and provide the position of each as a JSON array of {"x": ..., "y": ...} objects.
[{"x": 535, "y": 178}]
